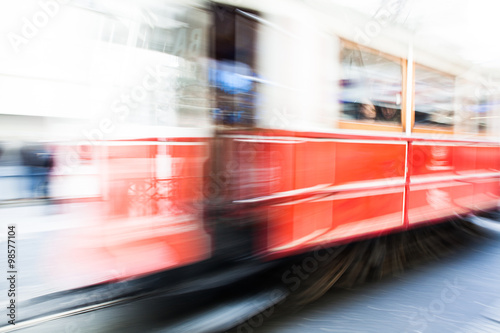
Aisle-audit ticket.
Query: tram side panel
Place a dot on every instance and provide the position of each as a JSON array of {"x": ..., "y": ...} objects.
[
  {"x": 366, "y": 188},
  {"x": 369, "y": 179},
  {"x": 464, "y": 165},
  {"x": 437, "y": 187},
  {"x": 452, "y": 178},
  {"x": 328, "y": 190},
  {"x": 487, "y": 188},
  {"x": 150, "y": 218},
  {"x": 304, "y": 166},
  {"x": 314, "y": 166},
  {"x": 161, "y": 206}
]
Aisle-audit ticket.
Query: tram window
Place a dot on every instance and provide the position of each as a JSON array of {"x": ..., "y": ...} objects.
[
  {"x": 475, "y": 104},
  {"x": 484, "y": 112},
  {"x": 232, "y": 73},
  {"x": 371, "y": 86},
  {"x": 492, "y": 119},
  {"x": 434, "y": 98},
  {"x": 478, "y": 110},
  {"x": 168, "y": 51}
]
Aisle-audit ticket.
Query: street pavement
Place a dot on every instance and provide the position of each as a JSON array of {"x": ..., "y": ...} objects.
[
  {"x": 458, "y": 293},
  {"x": 38, "y": 227}
]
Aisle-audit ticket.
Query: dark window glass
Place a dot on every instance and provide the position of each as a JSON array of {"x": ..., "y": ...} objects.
[{"x": 233, "y": 73}]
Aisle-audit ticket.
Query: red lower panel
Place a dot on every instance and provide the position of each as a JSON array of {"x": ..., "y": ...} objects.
[
  {"x": 128, "y": 250},
  {"x": 297, "y": 224},
  {"x": 150, "y": 218},
  {"x": 434, "y": 201},
  {"x": 371, "y": 206},
  {"x": 486, "y": 193},
  {"x": 365, "y": 215},
  {"x": 335, "y": 219}
]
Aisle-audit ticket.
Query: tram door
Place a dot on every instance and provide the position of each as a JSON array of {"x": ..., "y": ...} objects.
[{"x": 233, "y": 174}]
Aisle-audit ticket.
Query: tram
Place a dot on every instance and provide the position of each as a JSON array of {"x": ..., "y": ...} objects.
[{"x": 254, "y": 129}]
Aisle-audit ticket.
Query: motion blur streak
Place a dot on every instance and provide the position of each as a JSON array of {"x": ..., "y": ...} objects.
[{"x": 173, "y": 147}]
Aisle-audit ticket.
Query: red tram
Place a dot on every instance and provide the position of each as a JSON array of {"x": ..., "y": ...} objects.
[{"x": 240, "y": 130}]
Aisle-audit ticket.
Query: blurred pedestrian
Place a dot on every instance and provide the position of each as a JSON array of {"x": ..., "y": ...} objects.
[{"x": 38, "y": 161}]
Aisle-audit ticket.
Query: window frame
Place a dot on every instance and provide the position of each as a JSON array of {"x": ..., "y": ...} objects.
[
  {"x": 383, "y": 127},
  {"x": 429, "y": 129}
]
